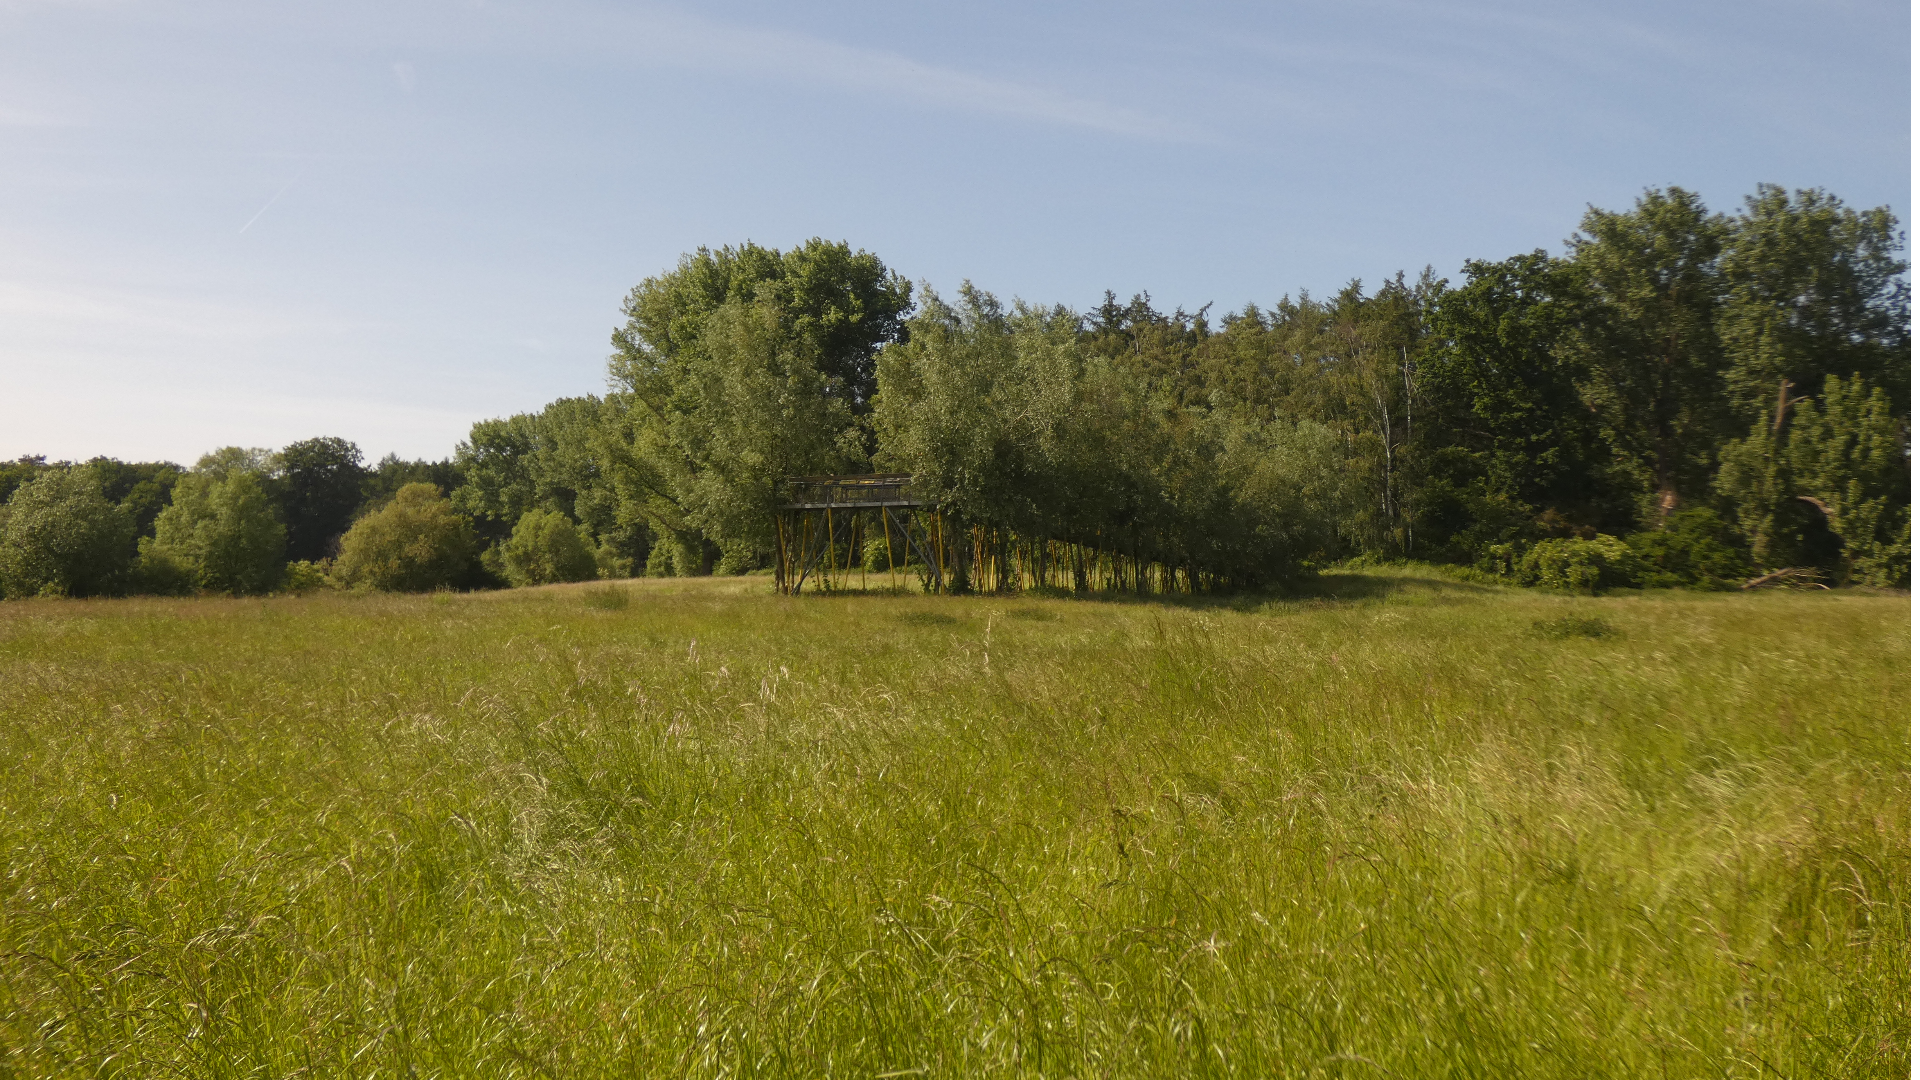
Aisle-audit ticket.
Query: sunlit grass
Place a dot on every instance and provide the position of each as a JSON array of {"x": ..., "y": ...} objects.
[{"x": 1393, "y": 825}]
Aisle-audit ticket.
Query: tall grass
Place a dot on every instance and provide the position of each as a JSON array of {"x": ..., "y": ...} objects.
[{"x": 1386, "y": 829}]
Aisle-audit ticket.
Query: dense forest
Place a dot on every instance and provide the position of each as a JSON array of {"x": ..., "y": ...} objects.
[{"x": 1681, "y": 398}]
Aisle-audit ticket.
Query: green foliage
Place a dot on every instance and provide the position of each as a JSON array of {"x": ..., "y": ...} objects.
[
  {"x": 415, "y": 543},
  {"x": 1652, "y": 358},
  {"x": 142, "y": 489},
  {"x": 1580, "y": 566},
  {"x": 692, "y": 555},
  {"x": 1502, "y": 561},
  {"x": 497, "y": 468},
  {"x": 660, "y": 561},
  {"x": 320, "y": 483},
  {"x": 1695, "y": 547},
  {"x": 737, "y": 557},
  {"x": 1503, "y": 380},
  {"x": 1814, "y": 291},
  {"x": 1835, "y": 470},
  {"x": 766, "y": 411},
  {"x": 230, "y": 459},
  {"x": 1756, "y": 478},
  {"x": 974, "y": 416},
  {"x": 223, "y": 528},
  {"x": 550, "y": 460},
  {"x": 1542, "y": 399},
  {"x": 738, "y": 369},
  {"x": 613, "y": 560},
  {"x": 305, "y": 576},
  {"x": 1849, "y": 457},
  {"x": 60, "y": 536},
  {"x": 392, "y": 473},
  {"x": 159, "y": 571},
  {"x": 17, "y": 472},
  {"x": 1009, "y": 419},
  {"x": 829, "y": 302},
  {"x": 546, "y": 547}
]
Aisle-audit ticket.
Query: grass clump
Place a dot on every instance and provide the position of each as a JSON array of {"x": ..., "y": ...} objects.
[
  {"x": 1383, "y": 830},
  {"x": 607, "y": 598},
  {"x": 1571, "y": 626},
  {"x": 1033, "y": 614}
]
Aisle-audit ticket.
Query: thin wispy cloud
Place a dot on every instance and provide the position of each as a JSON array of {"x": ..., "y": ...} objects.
[
  {"x": 269, "y": 204},
  {"x": 1460, "y": 50},
  {"x": 684, "y": 40}
]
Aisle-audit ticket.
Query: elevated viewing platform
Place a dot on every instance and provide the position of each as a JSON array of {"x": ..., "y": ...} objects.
[{"x": 859, "y": 492}]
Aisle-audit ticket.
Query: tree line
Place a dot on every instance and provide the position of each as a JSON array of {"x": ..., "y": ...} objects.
[
  {"x": 240, "y": 521},
  {"x": 1681, "y": 397}
]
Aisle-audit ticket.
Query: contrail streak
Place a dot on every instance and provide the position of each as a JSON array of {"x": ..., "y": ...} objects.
[{"x": 270, "y": 202}]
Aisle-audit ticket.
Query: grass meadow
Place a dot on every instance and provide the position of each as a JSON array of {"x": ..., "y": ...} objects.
[{"x": 1392, "y": 826}]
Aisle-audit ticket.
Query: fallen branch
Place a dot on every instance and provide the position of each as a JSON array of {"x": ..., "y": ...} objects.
[
  {"x": 1788, "y": 577},
  {"x": 1817, "y": 505}
]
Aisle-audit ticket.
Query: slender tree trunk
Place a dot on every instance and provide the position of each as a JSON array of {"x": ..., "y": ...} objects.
[{"x": 1406, "y": 375}]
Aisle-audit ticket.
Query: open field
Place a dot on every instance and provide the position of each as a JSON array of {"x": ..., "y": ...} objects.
[{"x": 1399, "y": 827}]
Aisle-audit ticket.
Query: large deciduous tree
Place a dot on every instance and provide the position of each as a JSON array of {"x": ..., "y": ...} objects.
[
  {"x": 60, "y": 536},
  {"x": 1514, "y": 436},
  {"x": 1813, "y": 289},
  {"x": 221, "y": 533},
  {"x": 1648, "y": 338},
  {"x": 498, "y": 471},
  {"x": 141, "y": 488},
  {"x": 736, "y": 369},
  {"x": 319, "y": 483}
]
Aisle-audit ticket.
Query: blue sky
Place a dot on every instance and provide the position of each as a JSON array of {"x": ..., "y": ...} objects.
[{"x": 255, "y": 223}]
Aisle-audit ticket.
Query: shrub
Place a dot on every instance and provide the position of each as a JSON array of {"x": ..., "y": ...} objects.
[
  {"x": 1500, "y": 560},
  {"x": 59, "y": 536},
  {"x": 157, "y": 571},
  {"x": 223, "y": 530},
  {"x": 1696, "y": 548},
  {"x": 660, "y": 560},
  {"x": 874, "y": 556},
  {"x": 678, "y": 555},
  {"x": 416, "y": 543},
  {"x": 1584, "y": 566},
  {"x": 546, "y": 546},
  {"x": 737, "y": 557},
  {"x": 613, "y": 562},
  {"x": 305, "y": 576}
]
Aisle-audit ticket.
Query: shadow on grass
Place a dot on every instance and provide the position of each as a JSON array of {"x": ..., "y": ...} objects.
[
  {"x": 1352, "y": 585},
  {"x": 1327, "y": 589}
]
